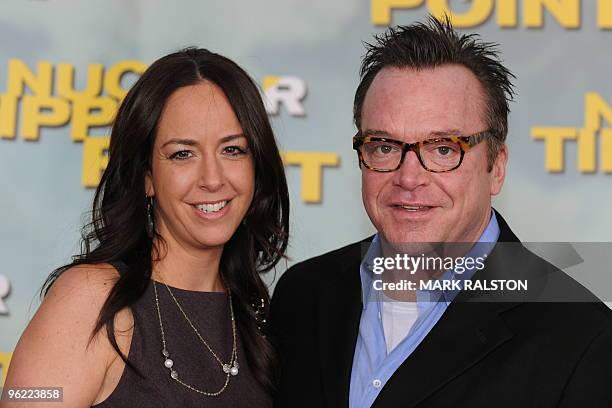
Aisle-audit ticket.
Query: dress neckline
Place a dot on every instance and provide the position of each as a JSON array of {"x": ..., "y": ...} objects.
[{"x": 188, "y": 291}]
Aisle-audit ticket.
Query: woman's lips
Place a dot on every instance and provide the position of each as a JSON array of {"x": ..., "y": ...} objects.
[{"x": 212, "y": 210}]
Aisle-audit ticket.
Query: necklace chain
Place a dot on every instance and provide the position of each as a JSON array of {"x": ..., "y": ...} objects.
[{"x": 230, "y": 368}]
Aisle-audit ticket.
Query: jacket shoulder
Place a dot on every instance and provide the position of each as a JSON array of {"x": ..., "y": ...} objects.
[{"x": 307, "y": 273}]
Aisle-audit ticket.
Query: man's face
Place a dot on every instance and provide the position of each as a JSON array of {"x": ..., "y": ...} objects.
[{"x": 411, "y": 204}]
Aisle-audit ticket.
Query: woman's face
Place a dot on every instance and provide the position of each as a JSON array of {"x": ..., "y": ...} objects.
[{"x": 202, "y": 174}]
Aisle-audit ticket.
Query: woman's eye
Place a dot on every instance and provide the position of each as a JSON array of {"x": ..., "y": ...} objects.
[
  {"x": 234, "y": 150},
  {"x": 181, "y": 155}
]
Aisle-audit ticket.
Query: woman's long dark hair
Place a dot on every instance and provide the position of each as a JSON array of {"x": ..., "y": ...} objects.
[{"x": 117, "y": 231}]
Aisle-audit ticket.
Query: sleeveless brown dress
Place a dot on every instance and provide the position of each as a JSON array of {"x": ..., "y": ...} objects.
[{"x": 209, "y": 313}]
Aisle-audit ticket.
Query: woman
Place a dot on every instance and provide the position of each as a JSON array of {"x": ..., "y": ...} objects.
[{"x": 165, "y": 306}]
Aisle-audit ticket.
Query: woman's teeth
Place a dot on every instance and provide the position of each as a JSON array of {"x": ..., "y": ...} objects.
[{"x": 211, "y": 208}]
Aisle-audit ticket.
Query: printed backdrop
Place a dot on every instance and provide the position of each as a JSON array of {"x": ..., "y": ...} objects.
[{"x": 66, "y": 64}]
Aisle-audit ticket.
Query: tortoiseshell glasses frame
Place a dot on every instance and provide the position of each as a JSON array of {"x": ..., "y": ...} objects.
[{"x": 432, "y": 160}]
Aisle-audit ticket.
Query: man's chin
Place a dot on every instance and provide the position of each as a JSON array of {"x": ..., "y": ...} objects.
[
  {"x": 408, "y": 231},
  {"x": 411, "y": 242}
]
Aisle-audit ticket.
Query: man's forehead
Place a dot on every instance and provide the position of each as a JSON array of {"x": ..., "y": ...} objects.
[
  {"x": 421, "y": 102},
  {"x": 446, "y": 75}
]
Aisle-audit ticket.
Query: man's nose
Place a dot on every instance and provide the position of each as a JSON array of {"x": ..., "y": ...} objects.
[{"x": 411, "y": 173}]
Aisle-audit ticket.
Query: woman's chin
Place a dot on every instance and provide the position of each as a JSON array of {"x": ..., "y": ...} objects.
[{"x": 215, "y": 240}]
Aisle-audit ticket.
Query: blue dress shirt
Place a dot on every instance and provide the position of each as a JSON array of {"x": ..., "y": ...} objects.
[{"x": 372, "y": 365}]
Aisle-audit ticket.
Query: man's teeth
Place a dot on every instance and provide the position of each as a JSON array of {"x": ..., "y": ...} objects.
[
  {"x": 413, "y": 208},
  {"x": 210, "y": 208}
]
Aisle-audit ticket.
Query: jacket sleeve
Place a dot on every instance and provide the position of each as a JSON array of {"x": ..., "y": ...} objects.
[{"x": 591, "y": 382}]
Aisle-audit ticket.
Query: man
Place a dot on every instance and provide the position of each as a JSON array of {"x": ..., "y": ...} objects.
[{"x": 432, "y": 117}]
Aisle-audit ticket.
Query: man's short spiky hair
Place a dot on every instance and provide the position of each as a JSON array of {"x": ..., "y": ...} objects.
[{"x": 436, "y": 43}]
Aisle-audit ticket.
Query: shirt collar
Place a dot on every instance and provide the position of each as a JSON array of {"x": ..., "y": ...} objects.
[{"x": 482, "y": 247}]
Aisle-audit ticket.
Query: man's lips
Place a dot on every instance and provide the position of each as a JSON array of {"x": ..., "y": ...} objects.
[{"x": 413, "y": 207}]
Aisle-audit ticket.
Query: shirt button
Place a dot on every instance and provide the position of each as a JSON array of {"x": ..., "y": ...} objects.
[{"x": 377, "y": 383}]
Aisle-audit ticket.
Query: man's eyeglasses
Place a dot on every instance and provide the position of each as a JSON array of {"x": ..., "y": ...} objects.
[{"x": 437, "y": 155}]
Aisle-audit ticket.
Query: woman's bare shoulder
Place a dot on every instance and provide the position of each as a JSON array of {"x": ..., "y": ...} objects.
[
  {"x": 90, "y": 280},
  {"x": 59, "y": 340}
]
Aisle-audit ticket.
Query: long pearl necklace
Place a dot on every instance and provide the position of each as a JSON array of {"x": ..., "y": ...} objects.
[{"x": 230, "y": 368}]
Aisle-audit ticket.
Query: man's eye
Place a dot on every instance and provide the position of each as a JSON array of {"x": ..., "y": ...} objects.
[
  {"x": 234, "y": 151},
  {"x": 181, "y": 155},
  {"x": 381, "y": 149},
  {"x": 385, "y": 149},
  {"x": 444, "y": 150}
]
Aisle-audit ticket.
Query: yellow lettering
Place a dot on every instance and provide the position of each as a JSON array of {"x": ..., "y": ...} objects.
[
  {"x": 112, "y": 79},
  {"x": 65, "y": 81},
  {"x": 269, "y": 81},
  {"x": 95, "y": 160},
  {"x": 566, "y": 12},
  {"x": 380, "y": 10},
  {"x": 596, "y": 109},
  {"x": 606, "y": 150},
  {"x": 604, "y": 13},
  {"x": 477, "y": 14},
  {"x": 19, "y": 75},
  {"x": 586, "y": 150},
  {"x": 39, "y": 111},
  {"x": 91, "y": 111},
  {"x": 507, "y": 13},
  {"x": 8, "y": 116},
  {"x": 554, "y": 138},
  {"x": 5, "y": 362},
  {"x": 312, "y": 164}
]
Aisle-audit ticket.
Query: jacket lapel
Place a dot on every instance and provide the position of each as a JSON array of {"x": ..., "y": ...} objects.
[
  {"x": 466, "y": 334},
  {"x": 469, "y": 330},
  {"x": 338, "y": 315}
]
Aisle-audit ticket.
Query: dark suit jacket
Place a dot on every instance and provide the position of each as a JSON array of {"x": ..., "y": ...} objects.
[{"x": 491, "y": 353}]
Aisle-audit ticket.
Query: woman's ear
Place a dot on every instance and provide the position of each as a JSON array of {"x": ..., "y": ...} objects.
[{"x": 149, "y": 189}]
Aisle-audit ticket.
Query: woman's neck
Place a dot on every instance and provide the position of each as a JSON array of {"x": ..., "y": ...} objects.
[{"x": 189, "y": 269}]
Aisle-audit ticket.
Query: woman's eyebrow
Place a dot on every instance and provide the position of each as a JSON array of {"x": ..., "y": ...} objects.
[
  {"x": 232, "y": 137},
  {"x": 193, "y": 142},
  {"x": 187, "y": 142}
]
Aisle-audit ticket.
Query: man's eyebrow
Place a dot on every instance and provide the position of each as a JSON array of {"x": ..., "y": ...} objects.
[
  {"x": 446, "y": 132},
  {"x": 435, "y": 133},
  {"x": 193, "y": 142},
  {"x": 375, "y": 132}
]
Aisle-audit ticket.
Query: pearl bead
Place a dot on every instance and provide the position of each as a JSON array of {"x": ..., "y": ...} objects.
[
  {"x": 234, "y": 371},
  {"x": 168, "y": 363}
]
